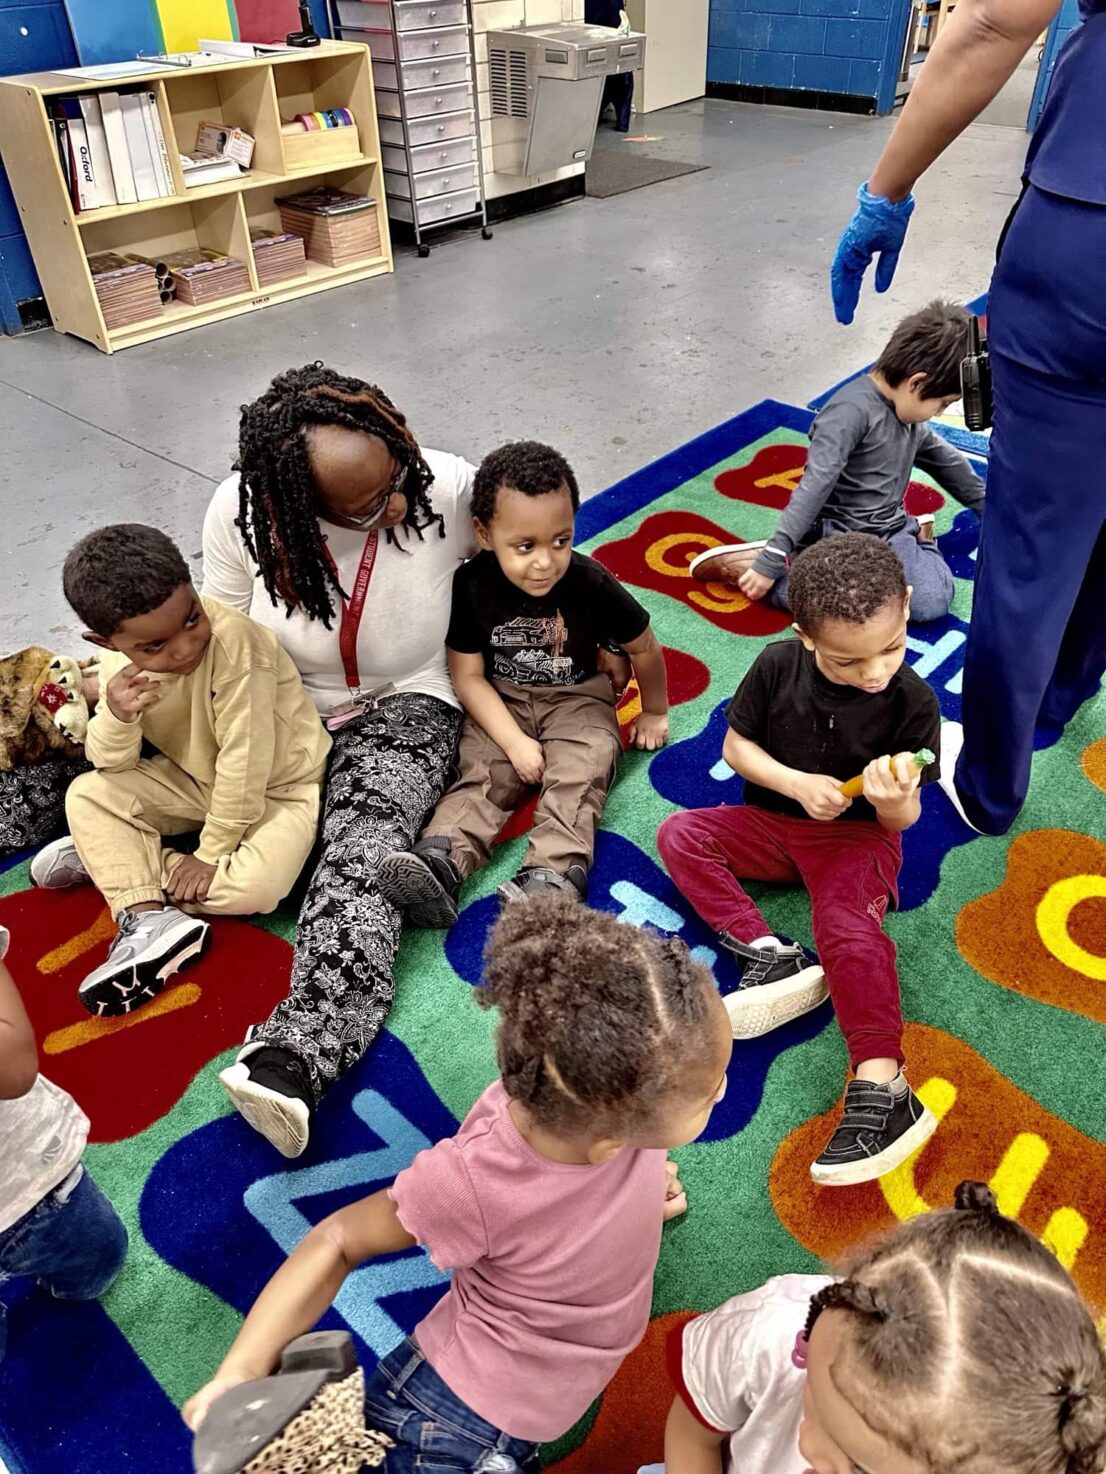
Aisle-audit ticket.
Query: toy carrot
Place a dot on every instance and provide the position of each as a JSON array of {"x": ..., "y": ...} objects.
[{"x": 922, "y": 759}]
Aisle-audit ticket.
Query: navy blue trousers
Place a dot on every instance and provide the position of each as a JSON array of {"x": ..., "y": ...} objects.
[{"x": 1037, "y": 643}]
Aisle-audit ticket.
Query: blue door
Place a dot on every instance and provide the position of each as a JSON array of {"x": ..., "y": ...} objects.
[{"x": 33, "y": 38}]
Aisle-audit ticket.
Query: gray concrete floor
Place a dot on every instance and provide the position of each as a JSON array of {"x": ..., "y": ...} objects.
[{"x": 616, "y": 329}]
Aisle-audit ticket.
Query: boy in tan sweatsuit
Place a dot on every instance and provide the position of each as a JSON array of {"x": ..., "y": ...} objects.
[{"x": 240, "y": 757}]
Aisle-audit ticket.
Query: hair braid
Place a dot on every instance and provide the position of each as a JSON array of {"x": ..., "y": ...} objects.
[
  {"x": 970, "y": 1348},
  {"x": 599, "y": 1021},
  {"x": 278, "y": 513}
]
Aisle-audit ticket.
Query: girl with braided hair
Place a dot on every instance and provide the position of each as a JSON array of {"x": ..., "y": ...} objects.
[
  {"x": 547, "y": 1204},
  {"x": 341, "y": 535},
  {"x": 956, "y": 1345}
]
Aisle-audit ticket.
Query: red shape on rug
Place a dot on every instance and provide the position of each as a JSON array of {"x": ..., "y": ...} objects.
[
  {"x": 127, "y": 1072},
  {"x": 687, "y": 679},
  {"x": 657, "y": 556},
  {"x": 774, "y": 473},
  {"x": 629, "y": 1428}
]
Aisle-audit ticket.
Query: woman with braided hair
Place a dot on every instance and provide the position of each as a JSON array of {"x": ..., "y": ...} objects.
[
  {"x": 546, "y": 1205},
  {"x": 342, "y": 535},
  {"x": 956, "y": 1345}
]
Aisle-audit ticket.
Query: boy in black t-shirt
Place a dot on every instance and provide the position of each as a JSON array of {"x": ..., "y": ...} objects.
[
  {"x": 529, "y": 620},
  {"x": 811, "y": 714}
]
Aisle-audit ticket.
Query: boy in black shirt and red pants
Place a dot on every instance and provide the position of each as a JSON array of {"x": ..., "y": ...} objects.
[
  {"x": 811, "y": 714},
  {"x": 529, "y": 625}
]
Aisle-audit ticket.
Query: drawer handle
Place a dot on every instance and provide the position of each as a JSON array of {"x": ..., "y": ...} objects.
[
  {"x": 438, "y": 101},
  {"x": 434, "y": 45},
  {"x": 441, "y": 127},
  {"x": 437, "y": 72}
]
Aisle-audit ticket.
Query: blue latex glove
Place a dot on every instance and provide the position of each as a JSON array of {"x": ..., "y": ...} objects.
[{"x": 878, "y": 225}]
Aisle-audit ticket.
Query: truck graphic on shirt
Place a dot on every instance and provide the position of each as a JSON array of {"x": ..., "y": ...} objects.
[{"x": 530, "y": 652}]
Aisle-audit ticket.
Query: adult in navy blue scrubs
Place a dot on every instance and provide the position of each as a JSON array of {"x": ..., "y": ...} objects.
[
  {"x": 1037, "y": 644},
  {"x": 618, "y": 91}
]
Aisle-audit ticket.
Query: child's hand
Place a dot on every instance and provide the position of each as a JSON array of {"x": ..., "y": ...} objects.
[
  {"x": 675, "y": 1199},
  {"x": 820, "y": 796},
  {"x": 528, "y": 759},
  {"x": 196, "y": 1409},
  {"x": 886, "y": 786},
  {"x": 650, "y": 732},
  {"x": 191, "y": 880},
  {"x": 130, "y": 692},
  {"x": 754, "y": 585},
  {"x": 617, "y": 668}
]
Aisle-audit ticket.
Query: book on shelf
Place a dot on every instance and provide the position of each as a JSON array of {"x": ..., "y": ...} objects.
[
  {"x": 199, "y": 169},
  {"x": 115, "y": 136},
  {"x": 326, "y": 200},
  {"x": 111, "y": 147},
  {"x": 126, "y": 289},
  {"x": 277, "y": 255},
  {"x": 201, "y": 275}
]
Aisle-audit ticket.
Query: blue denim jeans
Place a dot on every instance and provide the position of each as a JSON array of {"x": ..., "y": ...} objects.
[
  {"x": 433, "y": 1429},
  {"x": 72, "y": 1242},
  {"x": 926, "y": 571}
]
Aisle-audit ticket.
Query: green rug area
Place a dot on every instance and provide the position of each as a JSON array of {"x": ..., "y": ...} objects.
[{"x": 1002, "y": 952}]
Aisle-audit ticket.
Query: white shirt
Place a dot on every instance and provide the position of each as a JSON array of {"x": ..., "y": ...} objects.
[
  {"x": 401, "y": 639},
  {"x": 42, "y": 1136},
  {"x": 739, "y": 1378}
]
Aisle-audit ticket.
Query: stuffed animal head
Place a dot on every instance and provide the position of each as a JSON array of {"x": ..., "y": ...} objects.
[{"x": 43, "y": 711}]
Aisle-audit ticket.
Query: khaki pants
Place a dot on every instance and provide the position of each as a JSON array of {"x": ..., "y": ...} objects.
[
  {"x": 117, "y": 821},
  {"x": 578, "y": 728}
]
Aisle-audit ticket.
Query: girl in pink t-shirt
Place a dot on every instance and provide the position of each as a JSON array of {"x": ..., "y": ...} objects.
[{"x": 546, "y": 1205}]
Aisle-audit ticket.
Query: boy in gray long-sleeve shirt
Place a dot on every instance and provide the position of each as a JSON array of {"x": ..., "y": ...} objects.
[{"x": 863, "y": 446}]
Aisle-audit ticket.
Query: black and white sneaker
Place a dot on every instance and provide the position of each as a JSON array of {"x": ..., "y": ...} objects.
[
  {"x": 271, "y": 1089},
  {"x": 423, "y": 882},
  {"x": 880, "y": 1127},
  {"x": 778, "y": 984},
  {"x": 541, "y": 882},
  {"x": 151, "y": 946},
  {"x": 58, "y": 866}
]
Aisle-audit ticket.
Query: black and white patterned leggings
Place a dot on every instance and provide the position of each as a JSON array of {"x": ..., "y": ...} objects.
[{"x": 387, "y": 770}]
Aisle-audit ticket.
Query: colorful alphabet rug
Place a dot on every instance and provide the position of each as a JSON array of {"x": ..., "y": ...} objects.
[{"x": 1002, "y": 946}]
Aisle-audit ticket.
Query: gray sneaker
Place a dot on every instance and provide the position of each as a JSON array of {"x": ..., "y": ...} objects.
[
  {"x": 150, "y": 948},
  {"x": 57, "y": 865}
]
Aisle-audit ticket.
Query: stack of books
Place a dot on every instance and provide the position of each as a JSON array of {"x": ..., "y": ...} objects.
[
  {"x": 111, "y": 148},
  {"x": 337, "y": 227},
  {"x": 207, "y": 169},
  {"x": 277, "y": 257},
  {"x": 203, "y": 275},
  {"x": 127, "y": 289}
]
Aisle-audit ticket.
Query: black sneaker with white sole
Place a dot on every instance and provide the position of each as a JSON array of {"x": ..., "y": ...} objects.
[
  {"x": 538, "y": 881},
  {"x": 423, "y": 882},
  {"x": 880, "y": 1127},
  {"x": 271, "y": 1088},
  {"x": 150, "y": 947},
  {"x": 778, "y": 983}
]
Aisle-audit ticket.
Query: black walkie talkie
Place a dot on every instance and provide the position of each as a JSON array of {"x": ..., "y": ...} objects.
[
  {"x": 975, "y": 381},
  {"x": 307, "y": 34}
]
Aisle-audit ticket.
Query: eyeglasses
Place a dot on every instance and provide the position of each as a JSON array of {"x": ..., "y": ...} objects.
[{"x": 369, "y": 519}]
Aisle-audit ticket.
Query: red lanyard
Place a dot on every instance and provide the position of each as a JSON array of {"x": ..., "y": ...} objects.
[{"x": 353, "y": 608}]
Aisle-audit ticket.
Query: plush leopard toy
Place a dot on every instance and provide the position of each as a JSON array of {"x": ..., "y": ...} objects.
[{"x": 43, "y": 711}]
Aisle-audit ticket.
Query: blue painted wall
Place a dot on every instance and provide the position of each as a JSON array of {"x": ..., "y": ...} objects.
[
  {"x": 843, "y": 46},
  {"x": 33, "y": 37},
  {"x": 1059, "y": 31}
]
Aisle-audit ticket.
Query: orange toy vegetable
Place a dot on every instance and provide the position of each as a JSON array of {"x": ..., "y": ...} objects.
[{"x": 922, "y": 759}]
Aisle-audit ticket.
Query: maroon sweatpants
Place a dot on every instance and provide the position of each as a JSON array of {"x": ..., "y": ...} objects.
[{"x": 850, "y": 868}]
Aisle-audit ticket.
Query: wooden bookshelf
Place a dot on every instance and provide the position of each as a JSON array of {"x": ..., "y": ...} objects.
[{"x": 254, "y": 95}]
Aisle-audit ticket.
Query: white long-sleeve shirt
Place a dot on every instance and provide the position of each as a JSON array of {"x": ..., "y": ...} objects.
[{"x": 401, "y": 639}]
